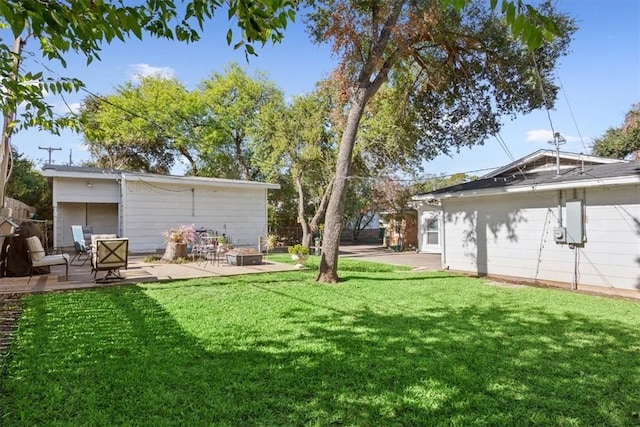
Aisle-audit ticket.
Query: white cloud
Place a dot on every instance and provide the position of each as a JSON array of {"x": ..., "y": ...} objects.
[
  {"x": 64, "y": 108},
  {"x": 544, "y": 136},
  {"x": 144, "y": 70},
  {"x": 75, "y": 107}
]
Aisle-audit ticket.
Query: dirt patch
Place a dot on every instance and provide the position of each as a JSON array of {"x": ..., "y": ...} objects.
[{"x": 10, "y": 309}]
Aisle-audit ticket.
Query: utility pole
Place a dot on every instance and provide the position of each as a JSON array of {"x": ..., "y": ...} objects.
[{"x": 49, "y": 149}]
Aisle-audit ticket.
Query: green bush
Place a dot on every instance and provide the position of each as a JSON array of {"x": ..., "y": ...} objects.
[{"x": 298, "y": 250}]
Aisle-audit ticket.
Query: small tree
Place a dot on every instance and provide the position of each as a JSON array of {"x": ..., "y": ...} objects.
[{"x": 29, "y": 186}]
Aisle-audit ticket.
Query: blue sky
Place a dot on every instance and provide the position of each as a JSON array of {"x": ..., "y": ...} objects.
[{"x": 600, "y": 80}]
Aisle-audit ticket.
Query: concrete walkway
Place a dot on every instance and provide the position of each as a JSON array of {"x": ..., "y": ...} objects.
[
  {"x": 138, "y": 271},
  {"x": 387, "y": 256}
]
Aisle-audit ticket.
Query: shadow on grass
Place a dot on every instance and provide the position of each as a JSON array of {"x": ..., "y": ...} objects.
[{"x": 118, "y": 357}]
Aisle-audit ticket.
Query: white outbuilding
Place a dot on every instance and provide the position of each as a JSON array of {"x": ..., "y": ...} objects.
[{"x": 141, "y": 206}]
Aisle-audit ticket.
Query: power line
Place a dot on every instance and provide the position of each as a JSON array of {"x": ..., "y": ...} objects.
[
  {"x": 543, "y": 93},
  {"x": 573, "y": 118}
]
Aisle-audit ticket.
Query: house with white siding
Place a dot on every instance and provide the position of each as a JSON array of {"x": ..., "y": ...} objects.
[
  {"x": 548, "y": 217},
  {"x": 141, "y": 206}
]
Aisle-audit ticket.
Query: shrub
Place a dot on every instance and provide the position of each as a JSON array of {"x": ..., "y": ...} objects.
[{"x": 298, "y": 250}]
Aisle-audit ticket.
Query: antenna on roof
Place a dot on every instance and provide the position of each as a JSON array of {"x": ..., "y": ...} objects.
[
  {"x": 558, "y": 140},
  {"x": 49, "y": 149}
]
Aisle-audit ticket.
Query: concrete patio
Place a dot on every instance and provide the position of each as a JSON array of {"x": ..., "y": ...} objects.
[{"x": 138, "y": 271}]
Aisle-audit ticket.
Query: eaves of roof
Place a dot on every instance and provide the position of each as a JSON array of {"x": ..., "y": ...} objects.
[
  {"x": 62, "y": 171},
  {"x": 593, "y": 176},
  {"x": 531, "y": 158}
]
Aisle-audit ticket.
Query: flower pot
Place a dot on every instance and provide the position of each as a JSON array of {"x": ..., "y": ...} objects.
[
  {"x": 299, "y": 259},
  {"x": 175, "y": 250}
]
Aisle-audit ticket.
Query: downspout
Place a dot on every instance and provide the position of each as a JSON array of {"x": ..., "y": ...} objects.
[
  {"x": 559, "y": 208},
  {"x": 441, "y": 236},
  {"x": 122, "y": 226},
  {"x": 576, "y": 248}
]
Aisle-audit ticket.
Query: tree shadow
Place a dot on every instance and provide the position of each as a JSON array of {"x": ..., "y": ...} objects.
[
  {"x": 482, "y": 225},
  {"x": 118, "y": 357}
]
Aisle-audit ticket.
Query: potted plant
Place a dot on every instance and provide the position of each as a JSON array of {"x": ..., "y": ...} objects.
[
  {"x": 270, "y": 241},
  {"x": 177, "y": 239},
  {"x": 299, "y": 254}
]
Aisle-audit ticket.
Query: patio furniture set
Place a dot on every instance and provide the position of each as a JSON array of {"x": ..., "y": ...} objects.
[
  {"x": 107, "y": 252},
  {"x": 110, "y": 253},
  {"x": 210, "y": 247}
]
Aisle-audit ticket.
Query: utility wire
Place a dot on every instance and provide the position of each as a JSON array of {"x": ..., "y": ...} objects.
[
  {"x": 573, "y": 118},
  {"x": 542, "y": 91}
]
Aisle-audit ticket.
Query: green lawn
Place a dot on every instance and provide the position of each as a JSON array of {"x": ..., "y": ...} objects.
[{"x": 382, "y": 348}]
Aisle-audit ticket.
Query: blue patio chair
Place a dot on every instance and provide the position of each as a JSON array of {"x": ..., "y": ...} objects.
[{"x": 83, "y": 248}]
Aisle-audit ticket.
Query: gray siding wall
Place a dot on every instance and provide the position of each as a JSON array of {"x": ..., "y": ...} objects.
[
  {"x": 149, "y": 209},
  {"x": 512, "y": 235}
]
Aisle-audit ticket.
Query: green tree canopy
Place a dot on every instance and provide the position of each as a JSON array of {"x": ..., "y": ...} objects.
[
  {"x": 29, "y": 185},
  {"x": 231, "y": 104},
  {"x": 298, "y": 141},
  {"x": 140, "y": 127},
  {"x": 622, "y": 142},
  {"x": 62, "y": 27}
]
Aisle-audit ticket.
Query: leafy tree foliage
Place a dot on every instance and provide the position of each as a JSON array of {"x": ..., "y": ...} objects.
[
  {"x": 622, "y": 142},
  {"x": 29, "y": 185},
  {"x": 436, "y": 182},
  {"x": 453, "y": 71},
  {"x": 299, "y": 141},
  {"x": 140, "y": 127},
  {"x": 231, "y": 103},
  {"x": 148, "y": 126},
  {"x": 82, "y": 26},
  {"x": 61, "y": 27}
]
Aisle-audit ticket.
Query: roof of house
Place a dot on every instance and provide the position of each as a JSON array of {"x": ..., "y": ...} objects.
[
  {"x": 542, "y": 160},
  {"x": 589, "y": 175},
  {"x": 64, "y": 171}
]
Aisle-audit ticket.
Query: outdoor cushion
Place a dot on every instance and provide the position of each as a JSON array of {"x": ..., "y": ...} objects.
[
  {"x": 110, "y": 255},
  {"x": 95, "y": 237},
  {"x": 39, "y": 258},
  {"x": 35, "y": 249}
]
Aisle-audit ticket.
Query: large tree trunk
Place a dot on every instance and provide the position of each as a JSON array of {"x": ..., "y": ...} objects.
[
  {"x": 328, "y": 271},
  {"x": 366, "y": 88}
]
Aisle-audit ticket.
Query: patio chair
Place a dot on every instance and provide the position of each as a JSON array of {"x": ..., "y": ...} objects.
[
  {"x": 110, "y": 255},
  {"x": 81, "y": 243},
  {"x": 209, "y": 249},
  {"x": 39, "y": 258}
]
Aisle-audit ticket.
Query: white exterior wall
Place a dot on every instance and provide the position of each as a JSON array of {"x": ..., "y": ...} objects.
[
  {"x": 151, "y": 208},
  {"x": 512, "y": 235},
  {"x": 80, "y": 192}
]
